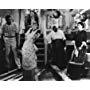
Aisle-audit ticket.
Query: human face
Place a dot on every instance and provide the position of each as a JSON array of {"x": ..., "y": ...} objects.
[
  {"x": 34, "y": 26},
  {"x": 9, "y": 20}
]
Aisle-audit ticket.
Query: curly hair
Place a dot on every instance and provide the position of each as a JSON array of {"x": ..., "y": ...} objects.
[
  {"x": 7, "y": 17},
  {"x": 54, "y": 29}
]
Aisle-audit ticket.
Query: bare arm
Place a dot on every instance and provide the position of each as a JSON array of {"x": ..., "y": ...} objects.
[
  {"x": 48, "y": 38},
  {"x": 28, "y": 32}
]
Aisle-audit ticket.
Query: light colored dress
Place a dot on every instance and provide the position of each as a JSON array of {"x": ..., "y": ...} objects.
[{"x": 28, "y": 52}]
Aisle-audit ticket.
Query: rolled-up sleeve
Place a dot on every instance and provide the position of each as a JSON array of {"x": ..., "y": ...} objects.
[
  {"x": 63, "y": 36},
  {"x": 49, "y": 36}
]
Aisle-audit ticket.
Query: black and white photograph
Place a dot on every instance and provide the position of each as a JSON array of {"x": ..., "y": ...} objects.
[{"x": 44, "y": 44}]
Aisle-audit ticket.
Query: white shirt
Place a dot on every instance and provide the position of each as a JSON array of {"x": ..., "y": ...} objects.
[
  {"x": 56, "y": 35},
  {"x": 86, "y": 23}
]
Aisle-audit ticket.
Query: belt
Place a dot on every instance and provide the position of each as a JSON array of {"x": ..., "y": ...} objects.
[{"x": 10, "y": 36}]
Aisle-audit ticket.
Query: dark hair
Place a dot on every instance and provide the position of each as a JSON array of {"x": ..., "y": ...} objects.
[
  {"x": 7, "y": 16},
  {"x": 58, "y": 14},
  {"x": 80, "y": 23},
  {"x": 71, "y": 10},
  {"x": 36, "y": 18},
  {"x": 84, "y": 17},
  {"x": 38, "y": 31},
  {"x": 54, "y": 29}
]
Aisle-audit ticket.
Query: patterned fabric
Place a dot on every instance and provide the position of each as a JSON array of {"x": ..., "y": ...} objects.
[
  {"x": 9, "y": 30},
  {"x": 82, "y": 57},
  {"x": 28, "y": 53},
  {"x": 79, "y": 38}
]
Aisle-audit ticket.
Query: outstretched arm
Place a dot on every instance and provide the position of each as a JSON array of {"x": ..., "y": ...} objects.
[
  {"x": 83, "y": 44},
  {"x": 73, "y": 42},
  {"x": 28, "y": 31}
]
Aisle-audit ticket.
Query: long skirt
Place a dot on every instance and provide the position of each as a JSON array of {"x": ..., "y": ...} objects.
[{"x": 59, "y": 53}]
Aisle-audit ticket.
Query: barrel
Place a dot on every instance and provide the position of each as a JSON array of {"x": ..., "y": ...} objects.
[{"x": 75, "y": 70}]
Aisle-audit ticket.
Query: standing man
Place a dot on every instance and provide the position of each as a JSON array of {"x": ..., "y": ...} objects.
[{"x": 10, "y": 33}]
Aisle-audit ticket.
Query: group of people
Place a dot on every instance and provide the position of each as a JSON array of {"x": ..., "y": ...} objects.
[
  {"x": 10, "y": 34},
  {"x": 59, "y": 52},
  {"x": 56, "y": 40}
]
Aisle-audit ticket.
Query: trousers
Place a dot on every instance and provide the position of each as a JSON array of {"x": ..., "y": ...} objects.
[{"x": 10, "y": 43}]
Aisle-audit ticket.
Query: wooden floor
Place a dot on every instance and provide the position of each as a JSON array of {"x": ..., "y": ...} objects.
[
  {"x": 52, "y": 74},
  {"x": 43, "y": 75}
]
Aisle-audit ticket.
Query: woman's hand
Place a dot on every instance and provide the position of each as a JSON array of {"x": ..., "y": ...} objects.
[
  {"x": 36, "y": 49},
  {"x": 73, "y": 42},
  {"x": 28, "y": 31},
  {"x": 80, "y": 48},
  {"x": 83, "y": 44},
  {"x": 76, "y": 52}
]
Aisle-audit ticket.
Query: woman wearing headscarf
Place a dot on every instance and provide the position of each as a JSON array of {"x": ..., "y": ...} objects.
[{"x": 57, "y": 38}]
